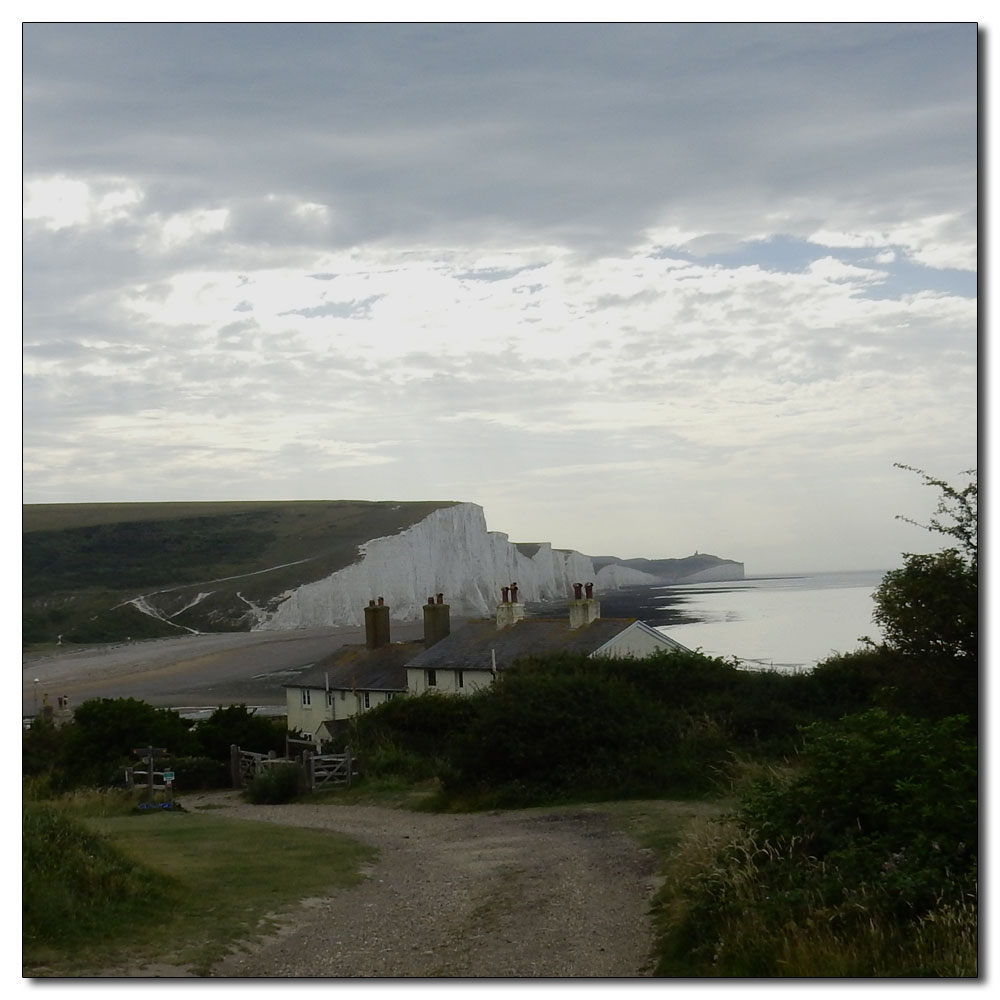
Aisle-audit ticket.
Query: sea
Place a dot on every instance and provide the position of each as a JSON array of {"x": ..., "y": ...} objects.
[{"x": 786, "y": 621}]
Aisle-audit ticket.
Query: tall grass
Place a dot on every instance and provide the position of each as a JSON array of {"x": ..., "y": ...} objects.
[
  {"x": 76, "y": 884},
  {"x": 720, "y": 913}
]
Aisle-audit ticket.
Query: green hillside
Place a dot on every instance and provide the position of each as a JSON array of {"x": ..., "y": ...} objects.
[{"x": 82, "y": 562}]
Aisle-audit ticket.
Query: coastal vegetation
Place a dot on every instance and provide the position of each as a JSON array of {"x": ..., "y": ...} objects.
[
  {"x": 95, "y": 748},
  {"x": 843, "y": 835},
  {"x": 83, "y": 563}
]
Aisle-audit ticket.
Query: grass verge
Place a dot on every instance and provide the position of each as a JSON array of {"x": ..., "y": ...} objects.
[{"x": 189, "y": 885}]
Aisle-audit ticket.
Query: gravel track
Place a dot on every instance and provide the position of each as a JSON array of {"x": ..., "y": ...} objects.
[{"x": 536, "y": 893}]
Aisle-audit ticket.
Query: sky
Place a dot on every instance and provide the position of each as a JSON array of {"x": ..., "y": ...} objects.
[{"x": 637, "y": 289}]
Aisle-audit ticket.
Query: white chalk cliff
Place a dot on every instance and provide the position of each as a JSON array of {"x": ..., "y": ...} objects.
[{"x": 450, "y": 552}]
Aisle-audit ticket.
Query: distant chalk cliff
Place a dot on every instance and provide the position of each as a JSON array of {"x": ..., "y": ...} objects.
[
  {"x": 451, "y": 552},
  {"x": 107, "y": 572},
  {"x": 448, "y": 552}
]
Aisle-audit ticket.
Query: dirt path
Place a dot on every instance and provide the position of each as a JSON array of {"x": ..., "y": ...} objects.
[{"x": 554, "y": 893}]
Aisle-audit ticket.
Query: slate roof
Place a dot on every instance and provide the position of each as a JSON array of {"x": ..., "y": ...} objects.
[
  {"x": 472, "y": 646},
  {"x": 357, "y": 666}
]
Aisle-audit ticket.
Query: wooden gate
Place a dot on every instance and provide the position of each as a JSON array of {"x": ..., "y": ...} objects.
[
  {"x": 329, "y": 768},
  {"x": 245, "y": 765},
  {"x": 320, "y": 769}
]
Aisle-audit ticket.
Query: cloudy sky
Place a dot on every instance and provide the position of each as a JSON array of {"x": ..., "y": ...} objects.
[{"x": 636, "y": 289}]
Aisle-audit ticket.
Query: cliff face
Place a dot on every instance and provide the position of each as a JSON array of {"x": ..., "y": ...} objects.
[
  {"x": 449, "y": 552},
  {"x": 107, "y": 572}
]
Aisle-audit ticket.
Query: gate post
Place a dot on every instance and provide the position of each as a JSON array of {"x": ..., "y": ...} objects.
[
  {"x": 348, "y": 763},
  {"x": 308, "y": 767},
  {"x": 234, "y": 765}
]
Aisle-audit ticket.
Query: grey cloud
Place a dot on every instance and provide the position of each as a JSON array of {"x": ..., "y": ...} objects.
[
  {"x": 572, "y": 130},
  {"x": 498, "y": 274},
  {"x": 353, "y": 309}
]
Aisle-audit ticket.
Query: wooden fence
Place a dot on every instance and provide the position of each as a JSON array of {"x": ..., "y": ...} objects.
[
  {"x": 320, "y": 769},
  {"x": 135, "y": 777}
]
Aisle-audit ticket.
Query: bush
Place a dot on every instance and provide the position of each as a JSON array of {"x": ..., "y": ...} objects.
[
  {"x": 236, "y": 724},
  {"x": 197, "y": 773},
  {"x": 389, "y": 760},
  {"x": 425, "y": 724},
  {"x": 572, "y": 727},
  {"x": 838, "y": 866},
  {"x": 105, "y": 732},
  {"x": 884, "y": 800},
  {"x": 276, "y": 784}
]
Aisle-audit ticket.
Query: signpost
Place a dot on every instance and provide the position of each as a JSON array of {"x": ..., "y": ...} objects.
[{"x": 149, "y": 755}]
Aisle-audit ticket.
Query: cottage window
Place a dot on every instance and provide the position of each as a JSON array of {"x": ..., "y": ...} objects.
[
  {"x": 460, "y": 678},
  {"x": 329, "y": 699},
  {"x": 368, "y": 700},
  {"x": 306, "y": 696},
  {"x": 432, "y": 678}
]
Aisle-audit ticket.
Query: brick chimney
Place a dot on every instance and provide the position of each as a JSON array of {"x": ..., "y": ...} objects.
[
  {"x": 583, "y": 610},
  {"x": 377, "y": 624},
  {"x": 437, "y": 620},
  {"x": 508, "y": 610}
]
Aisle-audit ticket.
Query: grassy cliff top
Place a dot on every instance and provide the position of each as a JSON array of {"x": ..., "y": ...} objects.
[{"x": 125, "y": 545}]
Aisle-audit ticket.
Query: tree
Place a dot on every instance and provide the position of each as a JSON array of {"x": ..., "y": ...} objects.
[
  {"x": 929, "y": 609},
  {"x": 961, "y": 507},
  {"x": 105, "y": 732},
  {"x": 240, "y": 725}
]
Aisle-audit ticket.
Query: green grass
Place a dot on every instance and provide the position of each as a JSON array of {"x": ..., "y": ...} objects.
[
  {"x": 662, "y": 824},
  {"x": 197, "y": 883},
  {"x": 388, "y": 793}
]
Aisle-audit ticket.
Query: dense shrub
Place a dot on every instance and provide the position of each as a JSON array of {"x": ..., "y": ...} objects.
[
  {"x": 99, "y": 743},
  {"x": 96, "y": 747},
  {"x": 425, "y": 724},
  {"x": 877, "y": 828},
  {"x": 198, "y": 773},
  {"x": 239, "y": 725},
  {"x": 410, "y": 738},
  {"x": 570, "y": 727},
  {"x": 276, "y": 784},
  {"x": 883, "y": 799},
  {"x": 110, "y": 729}
]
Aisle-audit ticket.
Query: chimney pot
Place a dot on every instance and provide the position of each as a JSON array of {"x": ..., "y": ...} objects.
[
  {"x": 437, "y": 621},
  {"x": 589, "y": 588},
  {"x": 506, "y": 594},
  {"x": 513, "y": 593},
  {"x": 377, "y": 624},
  {"x": 578, "y": 591}
]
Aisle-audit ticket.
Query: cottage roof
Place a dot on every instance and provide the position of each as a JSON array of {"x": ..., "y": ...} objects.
[
  {"x": 473, "y": 646},
  {"x": 358, "y": 667}
]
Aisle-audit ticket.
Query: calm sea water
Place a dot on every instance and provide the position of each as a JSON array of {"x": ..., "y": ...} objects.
[{"x": 784, "y": 621}]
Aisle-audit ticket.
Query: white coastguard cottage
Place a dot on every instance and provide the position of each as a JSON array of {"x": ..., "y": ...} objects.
[
  {"x": 356, "y": 678},
  {"x": 473, "y": 655}
]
